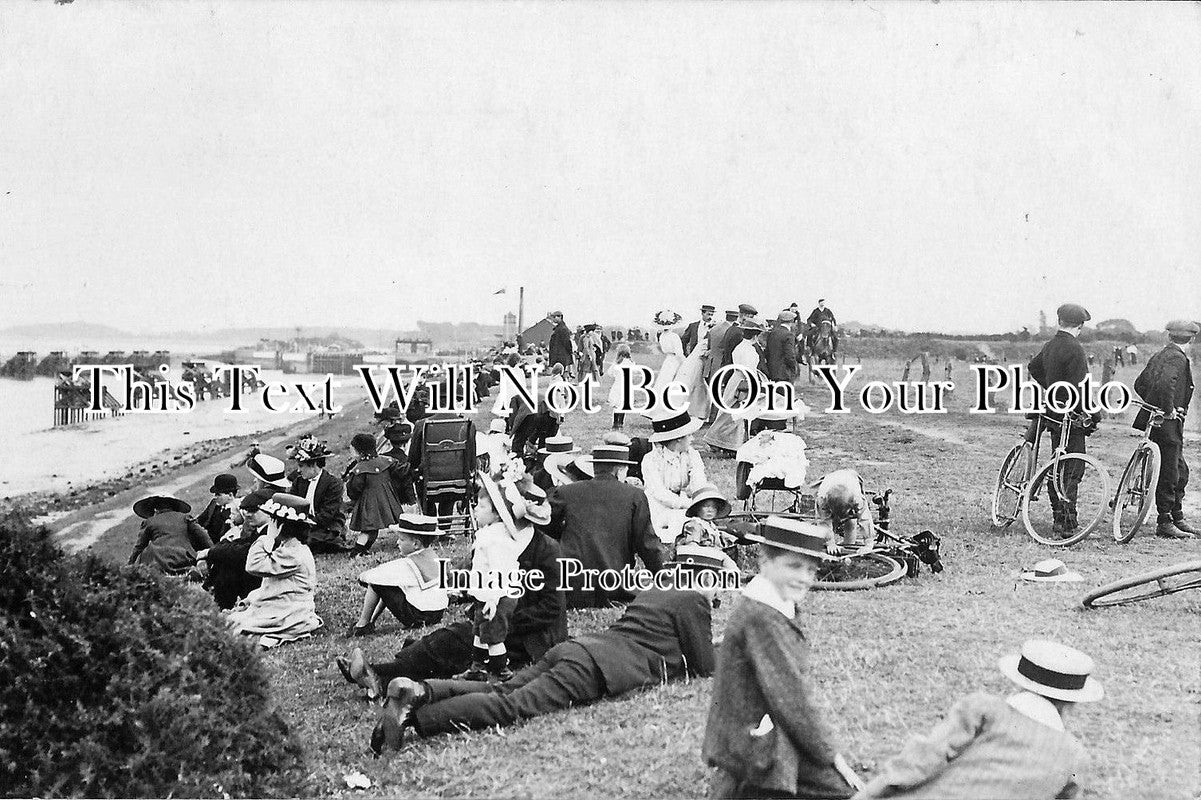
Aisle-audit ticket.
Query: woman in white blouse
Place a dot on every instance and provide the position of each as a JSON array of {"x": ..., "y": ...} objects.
[{"x": 672, "y": 472}]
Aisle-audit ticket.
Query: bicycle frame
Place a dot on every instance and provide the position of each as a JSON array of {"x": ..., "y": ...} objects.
[{"x": 1065, "y": 431}]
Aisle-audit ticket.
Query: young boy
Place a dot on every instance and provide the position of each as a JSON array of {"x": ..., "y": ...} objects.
[
  {"x": 699, "y": 528},
  {"x": 216, "y": 515},
  {"x": 507, "y": 512},
  {"x": 406, "y": 586},
  {"x": 763, "y": 733},
  {"x": 993, "y": 747},
  {"x": 842, "y": 502}
]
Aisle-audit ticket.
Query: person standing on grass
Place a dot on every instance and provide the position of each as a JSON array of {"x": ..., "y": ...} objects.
[
  {"x": 623, "y": 364},
  {"x": 763, "y": 732},
  {"x": 991, "y": 747},
  {"x": 378, "y": 487},
  {"x": 1167, "y": 382},
  {"x": 560, "y": 350}
]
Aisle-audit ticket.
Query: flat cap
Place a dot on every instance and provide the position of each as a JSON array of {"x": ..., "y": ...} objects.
[
  {"x": 1072, "y": 314},
  {"x": 787, "y": 316},
  {"x": 731, "y": 315},
  {"x": 747, "y": 308},
  {"x": 708, "y": 307},
  {"x": 1183, "y": 327}
]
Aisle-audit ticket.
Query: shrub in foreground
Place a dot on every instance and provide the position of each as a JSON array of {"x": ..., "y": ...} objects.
[{"x": 116, "y": 682}]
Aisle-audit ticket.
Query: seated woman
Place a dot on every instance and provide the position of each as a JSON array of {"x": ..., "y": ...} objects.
[
  {"x": 281, "y": 609},
  {"x": 990, "y": 747},
  {"x": 407, "y": 586},
  {"x": 169, "y": 541},
  {"x": 672, "y": 472}
]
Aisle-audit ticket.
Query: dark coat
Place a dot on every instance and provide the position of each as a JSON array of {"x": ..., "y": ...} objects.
[
  {"x": 781, "y": 354},
  {"x": 731, "y": 339},
  {"x": 692, "y": 336},
  {"x": 818, "y": 314},
  {"x": 327, "y": 506},
  {"x": 168, "y": 542},
  {"x": 763, "y": 669},
  {"x": 604, "y": 523},
  {"x": 377, "y": 487},
  {"x": 1167, "y": 382},
  {"x": 1061, "y": 359},
  {"x": 539, "y": 622},
  {"x": 214, "y": 519},
  {"x": 662, "y": 636},
  {"x": 559, "y": 346}
]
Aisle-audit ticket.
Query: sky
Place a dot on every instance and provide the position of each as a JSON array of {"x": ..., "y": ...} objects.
[{"x": 955, "y": 167}]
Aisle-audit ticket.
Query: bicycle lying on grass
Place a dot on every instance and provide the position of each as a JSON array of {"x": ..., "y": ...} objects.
[
  {"x": 1076, "y": 487},
  {"x": 1157, "y": 583},
  {"x": 1136, "y": 489},
  {"x": 888, "y": 559}
]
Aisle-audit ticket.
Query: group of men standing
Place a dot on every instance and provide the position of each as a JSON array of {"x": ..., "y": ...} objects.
[{"x": 782, "y": 346}]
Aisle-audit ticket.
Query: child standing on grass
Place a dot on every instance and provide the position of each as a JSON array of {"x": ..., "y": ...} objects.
[
  {"x": 993, "y": 747},
  {"x": 377, "y": 487},
  {"x": 508, "y": 513},
  {"x": 763, "y": 733}
]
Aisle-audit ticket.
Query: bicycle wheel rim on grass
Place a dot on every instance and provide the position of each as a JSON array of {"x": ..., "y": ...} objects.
[
  {"x": 1136, "y": 493},
  {"x": 1092, "y": 500},
  {"x": 863, "y": 571},
  {"x": 1157, "y": 583},
  {"x": 1011, "y": 480}
]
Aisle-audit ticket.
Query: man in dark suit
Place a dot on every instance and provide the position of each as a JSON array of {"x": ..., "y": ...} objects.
[
  {"x": 559, "y": 346},
  {"x": 781, "y": 349},
  {"x": 663, "y": 635},
  {"x": 1062, "y": 360},
  {"x": 697, "y": 329},
  {"x": 733, "y": 336},
  {"x": 324, "y": 492},
  {"x": 603, "y": 523},
  {"x": 1167, "y": 382}
]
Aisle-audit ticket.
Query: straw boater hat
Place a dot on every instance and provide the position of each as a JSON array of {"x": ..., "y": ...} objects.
[
  {"x": 146, "y": 507},
  {"x": 558, "y": 445},
  {"x": 288, "y": 507},
  {"x": 794, "y": 535},
  {"x": 269, "y": 469},
  {"x": 579, "y": 468},
  {"x": 1053, "y": 670},
  {"x": 1050, "y": 570},
  {"x": 419, "y": 525},
  {"x": 560, "y": 452},
  {"x": 610, "y": 454},
  {"x": 708, "y": 492},
  {"x": 669, "y": 425}
]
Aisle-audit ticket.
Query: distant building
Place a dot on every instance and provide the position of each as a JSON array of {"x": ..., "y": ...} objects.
[{"x": 408, "y": 348}]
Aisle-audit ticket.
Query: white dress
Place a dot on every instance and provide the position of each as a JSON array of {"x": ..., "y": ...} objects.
[
  {"x": 283, "y": 605},
  {"x": 669, "y": 480}
]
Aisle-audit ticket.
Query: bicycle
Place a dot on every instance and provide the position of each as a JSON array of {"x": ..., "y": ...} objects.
[
  {"x": 1157, "y": 583},
  {"x": 1072, "y": 481},
  {"x": 1136, "y": 489}
]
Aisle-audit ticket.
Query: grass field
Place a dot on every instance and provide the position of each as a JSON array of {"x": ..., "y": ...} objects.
[{"x": 886, "y": 663}]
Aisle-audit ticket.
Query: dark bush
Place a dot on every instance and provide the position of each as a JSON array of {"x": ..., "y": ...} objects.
[{"x": 116, "y": 682}]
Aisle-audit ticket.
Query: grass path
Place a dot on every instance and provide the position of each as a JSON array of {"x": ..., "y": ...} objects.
[{"x": 886, "y": 662}]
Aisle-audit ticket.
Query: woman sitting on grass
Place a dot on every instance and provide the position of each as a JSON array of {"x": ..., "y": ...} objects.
[
  {"x": 168, "y": 541},
  {"x": 281, "y": 609}
]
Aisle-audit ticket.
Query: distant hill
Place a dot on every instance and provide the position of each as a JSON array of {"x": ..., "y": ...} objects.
[{"x": 71, "y": 330}]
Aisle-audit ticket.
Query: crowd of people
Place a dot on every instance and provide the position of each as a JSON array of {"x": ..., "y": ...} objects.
[{"x": 641, "y": 506}]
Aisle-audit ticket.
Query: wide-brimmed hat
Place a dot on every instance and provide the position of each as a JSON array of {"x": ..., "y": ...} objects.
[
  {"x": 751, "y": 325},
  {"x": 310, "y": 451},
  {"x": 610, "y": 454},
  {"x": 146, "y": 507},
  {"x": 669, "y": 425},
  {"x": 516, "y": 502},
  {"x": 797, "y": 536},
  {"x": 389, "y": 413},
  {"x": 1183, "y": 327},
  {"x": 708, "y": 492},
  {"x": 1053, "y": 670},
  {"x": 224, "y": 483},
  {"x": 698, "y": 556},
  {"x": 1050, "y": 570},
  {"x": 580, "y": 468},
  {"x": 420, "y": 525},
  {"x": 288, "y": 507},
  {"x": 667, "y": 318},
  {"x": 556, "y": 445},
  {"x": 1072, "y": 314},
  {"x": 269, "y": 469}
]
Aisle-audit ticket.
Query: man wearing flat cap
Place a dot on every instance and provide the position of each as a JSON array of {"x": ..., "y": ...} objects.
[
  {"x": 697, "y": 329},
  {"x": 781, "y": 348},
  {"x": 1063, "y": 360},
  {"x": 733, "y": 336},
  {"x": 1167, "y": 382}
]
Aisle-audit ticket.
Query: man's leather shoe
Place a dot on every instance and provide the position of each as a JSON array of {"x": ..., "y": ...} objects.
[
  {"x": 1170, "y": 531},
  {"x": 1182, "y": 525},
  {"x": 403, "y": 696}
]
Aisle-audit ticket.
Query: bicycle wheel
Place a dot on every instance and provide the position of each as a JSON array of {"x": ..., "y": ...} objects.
[
  {"x": 1156, "y": 583},
  {"x": 861, "y": 571},
  {"x": 1093, "y": 494},
  {"x": 1011, "y": 480},
  {"x": 1136, "y": 492}
]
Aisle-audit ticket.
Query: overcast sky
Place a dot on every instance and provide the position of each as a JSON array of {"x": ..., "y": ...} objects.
[{"x": 924, "y": 166}]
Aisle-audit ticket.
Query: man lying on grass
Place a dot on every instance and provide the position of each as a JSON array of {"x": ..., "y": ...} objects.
[{"x": 664, "y": 634}]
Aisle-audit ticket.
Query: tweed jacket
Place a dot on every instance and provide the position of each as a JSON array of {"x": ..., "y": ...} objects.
[
  {"x": 781, "y": 354},
  {"x": 168, "y": 541},
  {"x": 713, "y": 354},
  {"x": 984, "y": 748},
  {"x": 763, "y": 670},
  {"x": 603, "y": 523},
  {"x": 1061, "y": 359},
  {"x": 1166, "y": 381},
  {"x": 663, "y": 635}
]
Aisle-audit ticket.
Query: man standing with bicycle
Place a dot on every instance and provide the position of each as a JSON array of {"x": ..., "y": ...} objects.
[
  {"x": 1063, "y": 360},
  {"x": 1167, "y": 382}
]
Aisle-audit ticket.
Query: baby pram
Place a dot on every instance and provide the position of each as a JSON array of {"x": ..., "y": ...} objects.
[{"x": 446, "y": 470}]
